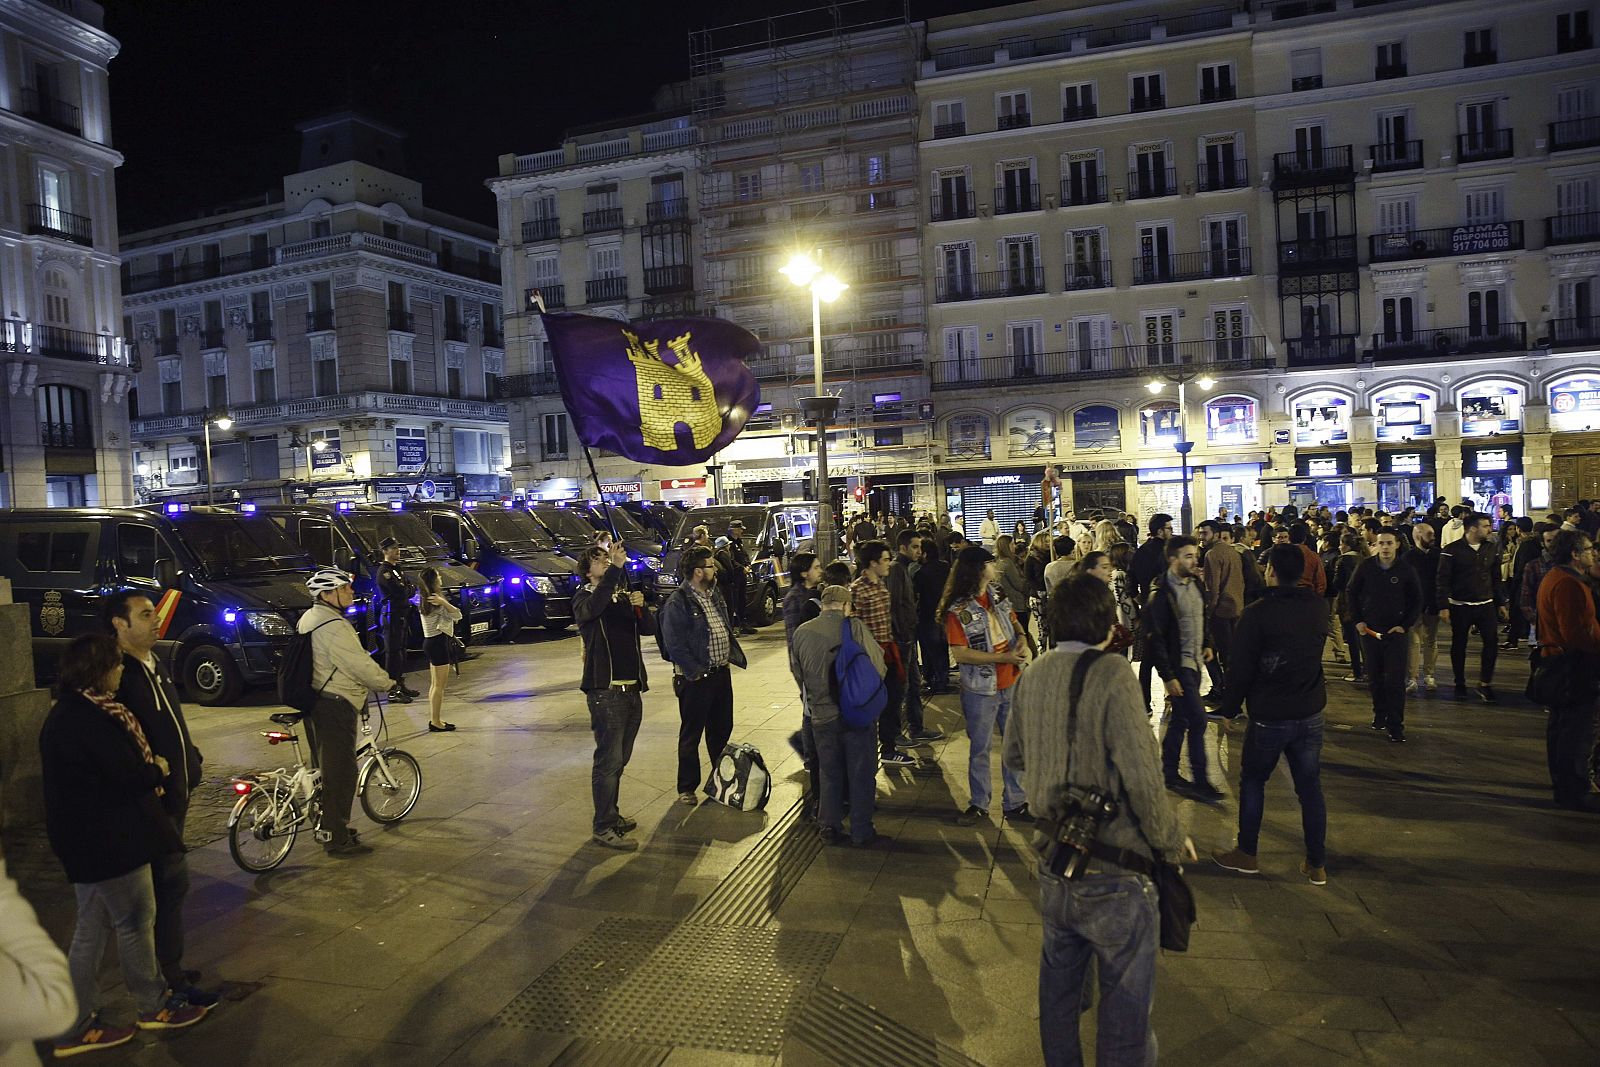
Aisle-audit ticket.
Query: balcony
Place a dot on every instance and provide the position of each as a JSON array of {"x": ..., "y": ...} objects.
[
  {"x": 674, "y": 210},
  {"x": 950, "y": 208},
  {"x": 402, "y": 321},
  {"x": 673, "y": 278},
  {"x": 1089, "y": 189},
  {"x": 1013, "y": 199},
  {"x": 1224, "y": 174},
  {"x": 1445, "y": 241},
  {"x": 1079, "y": 113},
  {"x": 1484, "y": 144},
  {"x": 1388, "y": 71},
  {"x": 455, "y": 330},
  {"x": 200, "y": 270},
  {"x": 603, "y": 290},
  {"x": 1316, "y": 253},
  {"x": 1573, "y": 42},
  {"x": 949, "y": 129},
  {"x": 1572, "y": 229},
  {"x": 1230, "y": 355},
  {"x": 1152, "y": 182},
  {"x": 259, "y": 329},
  {"x": 1583, "y": 330},
  {"x": 554, "y": 296},
  {"x": 1392, "y": 156},
  {"x": 1480, "y": 58},
  {"x": 1147, "y": 103},
  {"x": 65, "y": 435},
  {"x": 1096, "y": 275},
  {"x": 483, "y": 270},
  {"x": 1574, "y": 133},
  {"x": 62, "y": 225},
  {"x": 1214, "y": 94},
  {"x": 1020, "y": 121},
  {"x": 1192, "y": 266},
  {"x": 60, "y": 343},
  {"x": 1321, "y": 351},
  {"x": 1305, "y": 84},
  {"x": 515, "y": 386},
  {"x": 1313, "y": 167},
  {"x": 602, "y": 219},
  {"x": 988, "y": 285},
  {"x": 1451, "y": 341},
  {"x": 319, "y": 320},
  {"x": 213, "y": 337},
  {"x": 52, "y": 112},
  {"x": 541, "y": 230}
]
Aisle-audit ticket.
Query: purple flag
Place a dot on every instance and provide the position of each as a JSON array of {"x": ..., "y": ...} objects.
[{"x": 670, "y": 391}]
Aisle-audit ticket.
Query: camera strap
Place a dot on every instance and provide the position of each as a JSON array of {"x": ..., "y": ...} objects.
[{"x": 1080, "y": 670}]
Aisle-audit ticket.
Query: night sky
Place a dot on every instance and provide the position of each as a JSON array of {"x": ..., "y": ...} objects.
[{"x": 205, "y": 95}]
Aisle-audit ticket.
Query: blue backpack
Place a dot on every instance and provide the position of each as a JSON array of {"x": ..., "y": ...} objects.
[{"x": 859, "y": 689}]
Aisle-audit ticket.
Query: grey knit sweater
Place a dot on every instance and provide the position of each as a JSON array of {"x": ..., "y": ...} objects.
[{"x": 1116, "y": 750}]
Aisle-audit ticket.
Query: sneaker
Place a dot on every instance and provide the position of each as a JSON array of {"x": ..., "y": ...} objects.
[
  {"x": 1429, "y": 684},
  {"x": 348, "y": 848},
  {"x": 1206, "y": 793},
  {"x": 906, "y": 741},
  {"x": 1354, "y": 677},
  {"x": 1340, "y": 657},
  {"x": 1314, "y": 875},
  {"x": 830, "y": 835},
  {"x": 1460, "y": 691},
  {"x": 95, "y": 1035},
  {"x": 624, "y": 825},
  {"x": 688, "y": 799},
  {"x": 175, "y": 1014},
  {"x": 1397, "y": 736},
  {"x": 1377, "y": 724},
  {"x": 398, "y": 696},
  {"x": 972, "y": 816},
  {"x": 1234, "y": 860},
  {"x": 410, "y": 692},
  {"x": 1508, "y": 646},
  {"x": 897, "y": 759},
  {"x": 1411, "y": 687},
  {"x": 611, "y": 837},
  {"x": 1018, "y": 814},
  {"x": 1486, "y": 694},
  {"x": 927, "y": 734},
  {"x": 1179, "y": 784}
]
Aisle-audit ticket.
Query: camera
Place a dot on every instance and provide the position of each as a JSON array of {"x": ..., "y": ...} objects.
[{"x": 1083, "y": 811}]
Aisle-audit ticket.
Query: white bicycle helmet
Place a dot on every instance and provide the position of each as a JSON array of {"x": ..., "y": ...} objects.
[{"x": 326, "y": 579}]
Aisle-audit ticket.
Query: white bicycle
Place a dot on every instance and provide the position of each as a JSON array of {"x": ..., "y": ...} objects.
[{"x": 274, "y": 806}]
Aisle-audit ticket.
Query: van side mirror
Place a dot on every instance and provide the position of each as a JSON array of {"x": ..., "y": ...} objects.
[
  {"x": 166, "y": 574},
  {"x": 469, "y": 549},
  {"x": 346, "y": 562}
]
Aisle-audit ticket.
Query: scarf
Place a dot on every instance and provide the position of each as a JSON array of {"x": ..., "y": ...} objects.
[{"x": 119, "y": 712}]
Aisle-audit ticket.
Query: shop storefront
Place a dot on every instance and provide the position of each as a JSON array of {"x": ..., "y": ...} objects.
[
  {"x": 621, "y": 492},
  {"x": 1491, "y": 475},
  {"x": 1405, "y": 414},
  {"x": 1321, "y": 418},
  {"x": 1405, "y": 479},
  {"x": 1012, "y": 494},
  {"x": 1234, "y": 486},
  {"x": 1161, "y": 492},
  {"x": 1490, "y": 408},
  {"x": 690, "y": 491},
  {"x": 1322, "y": 478},
  {"x": 1575, "y": 442},
  {"x": 889, "y": 494}
]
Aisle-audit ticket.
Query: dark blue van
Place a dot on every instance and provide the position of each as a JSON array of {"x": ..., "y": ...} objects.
[
  {"x": 573, "y": 532},
  {"x": 507, "y": 543}
]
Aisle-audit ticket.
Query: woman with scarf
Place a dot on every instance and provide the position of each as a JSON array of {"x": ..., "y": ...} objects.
[{"x": 102, "y": 789}]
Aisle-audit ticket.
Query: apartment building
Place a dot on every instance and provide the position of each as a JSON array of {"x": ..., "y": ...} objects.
[
  {"x": 605, "y": 224},
  {"x": 1370, "y": 227},
  {"x": 63, "y": 421},
  {"x": 334, "y": 337}
]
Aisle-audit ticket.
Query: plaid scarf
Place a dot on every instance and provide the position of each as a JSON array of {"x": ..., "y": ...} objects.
[{"x": 119, "y": 712}]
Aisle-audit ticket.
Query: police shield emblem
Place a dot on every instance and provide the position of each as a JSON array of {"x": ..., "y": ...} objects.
[{"x": 52, "y": 614}]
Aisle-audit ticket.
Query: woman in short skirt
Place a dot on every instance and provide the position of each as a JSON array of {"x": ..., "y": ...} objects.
[{"x": 439, "y": 618}]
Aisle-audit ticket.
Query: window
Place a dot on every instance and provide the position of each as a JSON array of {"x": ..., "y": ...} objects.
[
  {"x": 1011, "y": 111},
  {"x": 1484, "y": 310},
  {"x": 1024, "y": 344},
  {"x": 1224, "y": 168},
  {"x": 954, "y": 200},
  {"x": 950, "y": 118},
  {"x": 1024, "y": 272},
  {"x": 1481, "y": 136},
  {"x": 1018, "y": 190},
  {"x": 1477, "y": 48},
  {"x": 391, "y": 230},
  {"x": 1223, "y": 241},
  {"x": 1395, "y": 149},
  {"x": 399, "y": 307},
  {"x": 1399, "y": 319},
  {"x": 811, "y": 177},
  {"x": 555, "y": 436},
  {"x": 1152, "y": 173},
  {"x": 747, "y": 186},
  {"x": 1082, "y": 179},
  {"x": 1230, "y": 331},
  {"x": 1160, "y": 338},
  {"x": 399, "y": 375},
  {"x": 64, "y": 416},
  {"x": 1077, "y": 102},
  {"x": 1156, "y": 262},
  {"x": 1396, "y": 214},
  {"x": 1090, "y": 346},
  {"x": 1572, "y": 31},
  {"x": 171, "y": 371},
  {"x": 1485, "y": 205},
  {"x": 481, "y": 452},
  {"x": 605, "y": 261},
  {"x": 1145, "y": 93},
  {"x": 138, "y": 549},
  {"x": 57, "y": 291},
  {"x": 452, "y": 382},
  {"x": 1231, "y": 420},
  {"x": 264, "y": 458},
  {"x": 1390, "y": 61},
  {"x": 1305, "y": 69},
  {"x": 961, "y": 353},
  {"x": 1159, "y": 424},
  {"x": 324, "y": 366},
  {"x": 217, "y": 387},
  {"x": 60, "y": 550},
  {"x": 1216, "y": 82},
  {"x": 1087, "y": 265},
  {"x": 955, "y": 276}
]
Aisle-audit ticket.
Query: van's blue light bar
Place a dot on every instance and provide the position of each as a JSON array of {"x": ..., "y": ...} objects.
[
  {"x": 344, "y": 505},
  {"x": 396, "y": 505},
  {"x": 247, "y": 509}
]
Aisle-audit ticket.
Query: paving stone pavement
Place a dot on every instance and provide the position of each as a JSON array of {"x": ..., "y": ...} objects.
[{"x": 1458, "y": 927}]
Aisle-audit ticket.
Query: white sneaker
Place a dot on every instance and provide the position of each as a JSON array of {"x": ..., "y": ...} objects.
[
  {"x": 1429, "y": 684},
  {"x": 1411, "y": 686}
]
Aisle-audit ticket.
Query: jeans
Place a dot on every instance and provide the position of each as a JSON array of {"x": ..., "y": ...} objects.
[
  {"x": 169, "y": 877},
  {"x": 889, "y": 722},
  {"x": 1465, "y": 618},
  {"x": 331, "y": 733},
  {"x": 1300, "y": 742},
  {"x": 1386, "y": 659},
  {"x": 614, "y": 716},
  {"x": 1569, "y": 741},
  {"x": 123, "y": 908},
  {"x": 1188, "y": 720},
  {"x": 1424, "y": 647},
  {"x": 1221, "y": 643},
  {"x": 847, "y": 767},
  {"x": 1352, "y": 641},
  {"x": 1112, "y": 918},
  {"x": 1336, "y": 632},
  {"x": 705, "y": 707},
  {"x": 935, "y": 655},
  {"x": 913, "y": 697},
  {"x": 986, "y": 715}
]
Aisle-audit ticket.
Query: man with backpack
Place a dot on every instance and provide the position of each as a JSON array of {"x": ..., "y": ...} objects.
[
  {"x": 340, "y": 678},
  {"x": 839, "y": 667}
]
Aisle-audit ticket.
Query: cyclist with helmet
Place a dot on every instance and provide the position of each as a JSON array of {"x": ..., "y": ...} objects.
[{"x": 344, "y": 676}]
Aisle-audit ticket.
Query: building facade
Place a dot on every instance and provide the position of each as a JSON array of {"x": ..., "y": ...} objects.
[
  {"x": 337, "y": 337},
  {"x": 63, "y": 417},
  {"x": 1371, "y": 226}
]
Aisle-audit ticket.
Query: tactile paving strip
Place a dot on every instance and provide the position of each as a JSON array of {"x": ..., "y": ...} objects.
[
  {"x": 846, "y": 1030},
  {"x": 753, "y": 891},
  {"x": 647, "y": 981}
]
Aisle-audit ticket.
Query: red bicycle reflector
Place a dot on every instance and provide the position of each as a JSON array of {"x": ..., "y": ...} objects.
[{"x": 243, "y": 787}]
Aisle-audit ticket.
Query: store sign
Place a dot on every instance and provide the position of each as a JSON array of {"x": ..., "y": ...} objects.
[
  {"x": 1095, "y": 428},
  {"x": 1322, "y": 468},
  {"x": 411, "y": 451},
  {"x": 1328, "y": 465},
  {"x": 1489, "y": 237},
  {"x": 328, "y": 457},
  {"x": 620, "y": 487},
  {"x": 684, "y": 483},
  {"x": 1405, "y": 463},
  {"x": 1575, "y": 397},
  {"x": 1148, "y": 475},
  {"x": 1493, "y": 461},
  {"x": 1280, "y": 437},
  {"x": 1002, "y": 479}
]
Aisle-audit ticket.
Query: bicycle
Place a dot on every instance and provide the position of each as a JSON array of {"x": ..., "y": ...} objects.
[{"x": 274, "y": 806}]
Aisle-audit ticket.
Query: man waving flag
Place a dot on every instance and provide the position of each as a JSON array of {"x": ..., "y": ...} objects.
[{"x": 669, "y": 391}]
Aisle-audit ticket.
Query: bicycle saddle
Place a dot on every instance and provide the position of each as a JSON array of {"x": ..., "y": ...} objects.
[{"x": 287, "y": 718}]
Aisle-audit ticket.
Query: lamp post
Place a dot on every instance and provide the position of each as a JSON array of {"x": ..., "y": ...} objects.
[
  {"x": 224, "y": 424},
  {"x": 804, "y": 271},
  {"x": 1181, "y": 378},
  {"x": 318, "y": 445}
]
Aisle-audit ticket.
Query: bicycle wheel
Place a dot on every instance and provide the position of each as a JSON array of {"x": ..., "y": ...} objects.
[
  {"x": 261, "y": 837},
  {"x": 390, "y": 784}
]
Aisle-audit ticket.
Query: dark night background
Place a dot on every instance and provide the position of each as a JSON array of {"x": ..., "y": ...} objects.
[{"x": 205, "y": 95}]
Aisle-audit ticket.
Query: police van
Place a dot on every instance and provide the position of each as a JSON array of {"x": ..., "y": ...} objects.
[
  {"x": 228, "y": 586},
  {"x": 507, "y": 543},
  {"x": 347, "y": 535},
  {"x": 772, "y": 533}
]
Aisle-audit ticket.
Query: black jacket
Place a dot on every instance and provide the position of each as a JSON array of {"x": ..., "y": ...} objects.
[
  {"x": 164, "y": 727},
  {"x": 1162, "y": 636},
  {"x": 928, "y": 583},
  {"x": 1149, "y": 561},
  {"x": 1275, "y": 661},
  {"x": 611, "y": 629},
  {"x": 902, "y": 599},
  {"x": 396, "y": 589},
  {"x": 1468, "y": 575},
  {"x": 1426, "y": 563},
  {"x": 100, "y": 808},
  {"x": 1385, "y": 599}
]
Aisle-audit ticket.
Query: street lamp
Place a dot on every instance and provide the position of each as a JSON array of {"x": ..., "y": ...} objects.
[
  {"x": 805, "y": 272},
  {"x": 318, "y": 445},
  {"x": 224, "y": 424},
  {"x": 1182, "y": 378}
]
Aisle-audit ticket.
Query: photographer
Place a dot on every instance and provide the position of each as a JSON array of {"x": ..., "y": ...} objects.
[{"x": 1108, "y": 908}]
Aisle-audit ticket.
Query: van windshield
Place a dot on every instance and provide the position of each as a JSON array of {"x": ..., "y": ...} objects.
[
  {"x": 628, "y": 527},
  {"x": 509, "y": 528},
  {"x": 716, "y": 521},
  {"x": 222, "y": 542},
  {"x": 417, "y": 542},
  {"x": 568, "y": 527}
]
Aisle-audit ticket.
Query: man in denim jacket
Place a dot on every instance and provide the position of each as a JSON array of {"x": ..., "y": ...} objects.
[{"x": 699, "y": 639}]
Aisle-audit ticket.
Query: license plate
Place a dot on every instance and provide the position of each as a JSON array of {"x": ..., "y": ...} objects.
[{"x": 479, "y": 628}]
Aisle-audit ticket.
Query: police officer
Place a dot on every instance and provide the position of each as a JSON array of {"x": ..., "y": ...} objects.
[{"x": 396, "y": 590}]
